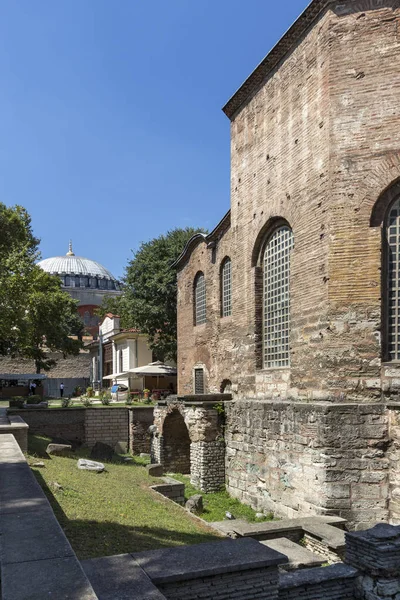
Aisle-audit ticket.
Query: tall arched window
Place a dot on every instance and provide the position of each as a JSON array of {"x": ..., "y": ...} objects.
[
  {"x": 199, "y": 299},
  {"x": 393, "y": 280},
  {"x": 276, "y": 301},
  {"x": 226, "y": 288}
]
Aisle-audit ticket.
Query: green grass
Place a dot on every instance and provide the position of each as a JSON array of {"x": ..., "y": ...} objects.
[
  {"x": 113, "y": 512},
  {"x": 216, "y": 504}
]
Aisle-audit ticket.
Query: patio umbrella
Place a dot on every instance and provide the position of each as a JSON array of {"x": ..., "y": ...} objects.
[{"x": 155, "y": 369}]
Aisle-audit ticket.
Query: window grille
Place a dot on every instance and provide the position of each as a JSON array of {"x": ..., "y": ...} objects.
[
  {"x": 200, "y": 300},
  {"x": 277, "y": 298},
  {"x": 226, "y": 288},
  {"x": 199, "y": 381},
  {"x": 393, "y": 271}
]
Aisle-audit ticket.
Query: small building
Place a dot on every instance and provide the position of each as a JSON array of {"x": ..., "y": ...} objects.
[
  {"x": 18, "y": 384},
  {"x": 118, "y": 355}
]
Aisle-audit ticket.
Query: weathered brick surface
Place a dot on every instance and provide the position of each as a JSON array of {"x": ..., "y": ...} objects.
[
  {"x": 303, "y": 459},
  {"x": 108, "y": 425},
  {"x": 140, "y": 419},
  {"x": 316, "y": 146},
  {"x": 242, "y": 585},
  {"x": 67, "y": 423}
]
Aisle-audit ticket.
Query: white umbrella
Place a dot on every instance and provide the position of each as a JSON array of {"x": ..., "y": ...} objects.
[{"x": 155, "y": 369}]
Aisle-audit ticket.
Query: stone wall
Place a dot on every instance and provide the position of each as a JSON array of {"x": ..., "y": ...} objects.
[
  {"x": 242, "y": 585},
  {"x": 328, "y": 583},
  {"x": 108, "y": 425},
  {"x": 91, "y": 425},
  {"x": 188, "y": 438},
  {"x": 140, "y": 419},
  {"x": 67, "y": 423},
  {"x": 303, "y": 459}
]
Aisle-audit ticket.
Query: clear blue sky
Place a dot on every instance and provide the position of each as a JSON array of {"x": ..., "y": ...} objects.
[{"x": 110, "y": 114}]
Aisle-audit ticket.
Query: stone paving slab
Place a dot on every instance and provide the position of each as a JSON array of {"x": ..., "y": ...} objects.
[
  {"x": 254, "y": 529},
  {"x": 60, "y": 579},
  {"x": 331, "y": 536},
  {"x": 22, "y": 492},
  {"x": 182, "y": 563},
  {"x": 227, "y": 526},
  {"x": 36, "y": 559},
  {"x": 32, "y": 536},
  {"x": 298, "y": 557},
  {"x": 120, "y": 577},
  {"x": 304, "y": 577}
]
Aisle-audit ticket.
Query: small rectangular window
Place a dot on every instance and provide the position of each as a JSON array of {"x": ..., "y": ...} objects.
[{"x": 199, "y": 381}]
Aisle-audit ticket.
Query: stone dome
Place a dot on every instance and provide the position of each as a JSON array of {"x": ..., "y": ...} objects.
[{"x": 70, "y": 268}]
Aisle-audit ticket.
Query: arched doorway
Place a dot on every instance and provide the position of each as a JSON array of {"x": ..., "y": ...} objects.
[{"x": 176, "y": 444}]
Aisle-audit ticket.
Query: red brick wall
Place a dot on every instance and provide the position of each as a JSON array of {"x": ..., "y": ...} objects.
[{"x": 316, "y": 146}]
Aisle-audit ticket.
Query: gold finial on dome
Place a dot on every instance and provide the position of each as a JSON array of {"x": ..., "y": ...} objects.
[{"x": 70, "y": 251}]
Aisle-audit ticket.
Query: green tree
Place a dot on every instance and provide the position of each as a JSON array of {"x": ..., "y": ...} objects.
[
  {"x": 150, "y": 291},
  {"x": 51, "y": 321},
  {"x": 36, "y": 314}
]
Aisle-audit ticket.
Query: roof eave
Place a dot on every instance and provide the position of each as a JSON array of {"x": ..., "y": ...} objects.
[{"x": 278, "y": 52}]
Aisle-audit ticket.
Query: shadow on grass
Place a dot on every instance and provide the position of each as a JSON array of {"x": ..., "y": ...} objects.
[{"x": 91, "y": 539}]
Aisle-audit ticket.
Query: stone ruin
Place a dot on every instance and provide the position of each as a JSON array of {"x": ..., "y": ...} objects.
[{"x": 188, "y": 438}]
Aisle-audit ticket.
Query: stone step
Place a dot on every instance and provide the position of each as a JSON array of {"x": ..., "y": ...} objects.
[
  {"x": 332, "y": 537},
  {"x": 292, "y": 528},
  {"x": 298, "y": 557},
  {"x": 119, "y": 577}
]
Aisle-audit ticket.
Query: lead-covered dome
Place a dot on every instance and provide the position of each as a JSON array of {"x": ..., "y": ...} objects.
[{"x": 77, "y": 271}]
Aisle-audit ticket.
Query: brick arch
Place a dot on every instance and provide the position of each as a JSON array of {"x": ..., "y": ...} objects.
[
  {"x": 266, "y": 230},
  {"x": 373, "y": 191},
  {"x": 382, "y": 204}
]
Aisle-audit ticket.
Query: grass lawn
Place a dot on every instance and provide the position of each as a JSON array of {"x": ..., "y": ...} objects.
[
  {"x": 216, "y": 504},
  {"x": 112, "y": 512}
]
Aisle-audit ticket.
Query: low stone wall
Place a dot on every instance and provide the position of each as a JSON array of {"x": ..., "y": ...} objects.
[
  {"x": 172, "y": 489},
  {"x": 227, "y": 570},
  {"x": 107, "y": 425},
  {"x": 242, "y": 585},
  {"x": 91, "y": 425},
  {"x": 17, "y": 427},
  {"x": 328, "y": 583},
  {"x": 299, "y": 459},
  {"x": 67, "y": 423}
]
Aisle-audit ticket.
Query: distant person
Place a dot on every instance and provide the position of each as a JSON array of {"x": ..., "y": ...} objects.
[
  {"x": 32, "y": 388},
  {"x": 61, "y": 390}
]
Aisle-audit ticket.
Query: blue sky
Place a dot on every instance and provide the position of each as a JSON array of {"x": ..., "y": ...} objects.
[{"x": 110, "y": 114}]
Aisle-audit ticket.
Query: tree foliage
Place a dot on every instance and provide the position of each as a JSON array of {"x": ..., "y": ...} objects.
[
  {"x": 36, "y": 314},
  {"x": 150, "y": 291}
]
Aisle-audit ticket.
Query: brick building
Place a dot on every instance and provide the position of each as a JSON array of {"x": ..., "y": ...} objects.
[{"x": 292, "y": 302}]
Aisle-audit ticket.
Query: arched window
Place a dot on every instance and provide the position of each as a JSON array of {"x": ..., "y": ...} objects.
[
  {"x": 276, "y": 301},
  {"x": 86, "y": 317},
  {"x": 226, "y": 288},
  {"x": 392, "y": 230},
  {"x": 199, "y": 299}
]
